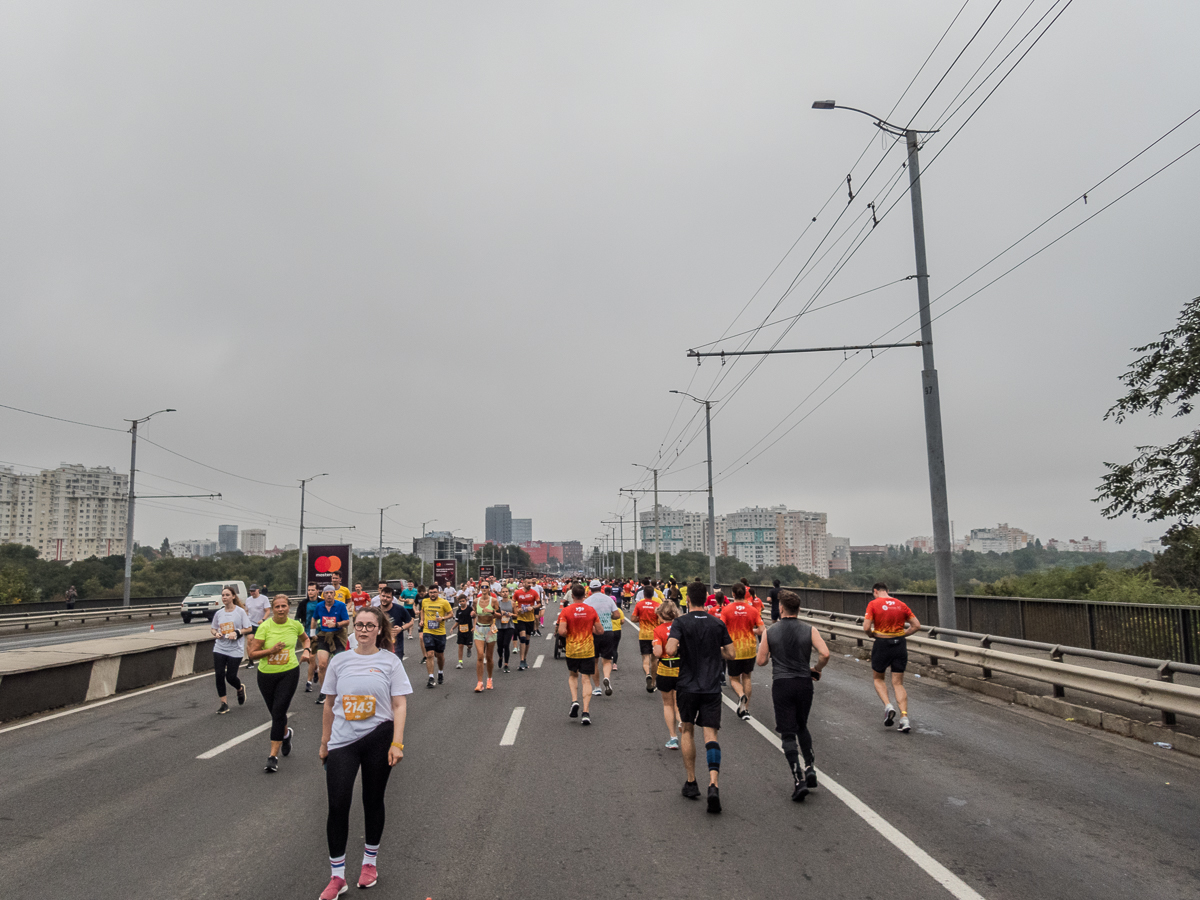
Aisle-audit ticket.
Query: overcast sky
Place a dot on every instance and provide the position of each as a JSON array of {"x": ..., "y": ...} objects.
[{"x": 454, "y": 254}]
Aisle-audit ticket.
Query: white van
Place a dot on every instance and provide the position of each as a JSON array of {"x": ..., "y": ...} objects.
[{"x": 204, "y": 599}]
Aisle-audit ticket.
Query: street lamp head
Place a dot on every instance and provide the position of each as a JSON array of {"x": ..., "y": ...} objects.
[{"x": 824, "y": 104}]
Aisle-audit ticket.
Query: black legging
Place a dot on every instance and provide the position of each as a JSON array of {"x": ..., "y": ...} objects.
[
  {"x": 277, "y": 689},
  {"x": 341, "y": 768},
  {"x": 616, "y": 643},
  {"x": 226, "y": 668},
  {"x": 793, "y": 700},
  {"x": 504, "y": 639}
]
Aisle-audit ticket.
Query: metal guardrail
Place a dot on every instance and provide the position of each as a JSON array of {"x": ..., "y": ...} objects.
[
  {"x": 84, "y": 615},
  {"x": 1160, "y": 693},
  {"x": 1138, "y": 629}
]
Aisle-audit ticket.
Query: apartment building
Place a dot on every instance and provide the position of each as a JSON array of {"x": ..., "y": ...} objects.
[
  {"x": 254, "y": 541},
  {"x": 801, "y": 541},
  {"x": 69, "y": 513}
]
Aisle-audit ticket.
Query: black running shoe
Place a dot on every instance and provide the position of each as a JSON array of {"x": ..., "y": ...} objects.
[
  {"x": 649, "y": 684},
  {"x": 741, "y": 707},
  {"x": 714, "y": 799},
  {"x": 691, "y": 790},
  {"x": 441, "y": 678},
  {"x": 320, "y": 699},
  {"x": 574, "y": 713},
  {"x": 506, "y": 668},
  {"x": 224, "y": 709},
  {"x": 607, "y": 687},
  {"x": 585, "y": 719},
  {"x": 432, "y": 682},
  {"x": 810, "y": 777},
  {"x": 241, "y": 695},
  {"x": 287, "y": 742},
  {"x": 799, "y": 792},
  {"x": 272, "y": 764}
]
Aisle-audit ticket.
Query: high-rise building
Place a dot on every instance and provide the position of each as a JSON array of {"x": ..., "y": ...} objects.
[
  {"x": 572, "y": 554},
  {"x": 802, "y": 541},
  {"x": 254, "y": 541},
  {"x": 1001, "y": 539},
  {"x": 196, "y": 549},
  {"x": 679, "y": 530},
  {"x": 498, "y": 523},
  {"x": 227, "y": 538},
  {"x": 69, "y": 513},
  {"x": 839, "y": 554},
  {"x": 522, "y": 531},
  {"x": 752, "y": 535},
  {"x": 443, "y": 545}
]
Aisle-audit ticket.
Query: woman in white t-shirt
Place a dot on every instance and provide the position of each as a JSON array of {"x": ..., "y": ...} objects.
[
  {"x": 362, "y": 728},
  {"x": 230, "y": 627}
]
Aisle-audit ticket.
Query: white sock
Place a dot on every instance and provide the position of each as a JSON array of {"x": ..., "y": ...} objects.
[
  {"x": 338, "y": 867},
  {"x": 370, "y": 851},
  {"x": 440, "y": 671}
]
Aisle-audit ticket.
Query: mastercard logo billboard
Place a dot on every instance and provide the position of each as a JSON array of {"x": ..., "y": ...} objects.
[{"x": 327, "y": 564}]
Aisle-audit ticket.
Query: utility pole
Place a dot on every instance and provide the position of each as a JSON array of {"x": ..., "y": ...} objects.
[
  {"x": 300, "y": 579},
  {"x": 381, "y": 509},
  {"x": 133, "y": 423},
  {"x": 712, "y": 516},
  {"x": 657, "y": 533},
  {"x": 622, "y": 520}
]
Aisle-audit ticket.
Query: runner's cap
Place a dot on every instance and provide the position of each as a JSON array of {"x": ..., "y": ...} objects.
[
  {"x": 595, "y": 583},
  {"x": 328, "y": 589},
  {"x": 254, "y": 587}
]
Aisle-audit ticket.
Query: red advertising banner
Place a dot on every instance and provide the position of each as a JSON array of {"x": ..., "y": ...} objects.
[
  {"x": 326, "y": 559},
  {"x": 445, "y": 572}
]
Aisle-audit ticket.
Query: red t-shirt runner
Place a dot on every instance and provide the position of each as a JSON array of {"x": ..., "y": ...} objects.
[
  {"x": 361, "y": 599},
  {"x": 661, "y": 633},
  {"x": 579, "y": 618},
  {"x": 645, "y": 613},
  {"x": 889, "y": 615},
  {"x": 741, "y": 619},
  {"x": 525, "y": 597}
]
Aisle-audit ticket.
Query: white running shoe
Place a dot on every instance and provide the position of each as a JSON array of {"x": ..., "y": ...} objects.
[
  {"x": 903, "y": 724},
  {"x": 889, "y": 715}
]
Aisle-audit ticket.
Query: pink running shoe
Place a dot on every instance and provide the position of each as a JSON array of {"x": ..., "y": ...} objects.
[
  {"x": 489, "y": 685},
  {"x": 368, "y": 877},
  {"x": 336, "y": 887}
]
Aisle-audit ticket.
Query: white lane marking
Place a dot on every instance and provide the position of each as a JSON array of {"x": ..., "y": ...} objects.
[
  {"x": 550, "y": 635},
  {"x": 537, "y": 663},
  {"x": 510, "y": 733},
  {"x": 78, "y": 709},
  {"x": 939, "y": 873},
  {"x": 218, "y": 750}
]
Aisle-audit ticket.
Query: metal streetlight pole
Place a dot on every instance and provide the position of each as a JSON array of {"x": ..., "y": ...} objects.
[
  {"x": 381, "y": 509},
  {"x": 133, "y": 423},
  {"x": 942, "y": 550},
  {"x": 657, "y": 533},
  {"x": 423, "y": 524},
  {"x": 712, "y": 516},
  {"x": 300, "y": 579}
]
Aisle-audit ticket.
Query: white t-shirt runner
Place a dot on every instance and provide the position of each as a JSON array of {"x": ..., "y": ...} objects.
[
  {"x": 362, "y": 687},
  {"x": 229, "y": 623},
  {"x": 258, "y": 608},
  {"x": 604, "y": 607}
]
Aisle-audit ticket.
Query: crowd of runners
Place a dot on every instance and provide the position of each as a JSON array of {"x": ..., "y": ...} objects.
[{"x": 693, "y": 641}]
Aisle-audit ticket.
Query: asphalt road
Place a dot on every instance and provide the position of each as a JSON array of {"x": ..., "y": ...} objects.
[{"x": 112, "y": 802}]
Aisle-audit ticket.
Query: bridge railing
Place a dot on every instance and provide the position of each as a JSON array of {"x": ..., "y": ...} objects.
[
  {"x": 1158, "y": 692},
  {"x": 1136, "y": 629}
]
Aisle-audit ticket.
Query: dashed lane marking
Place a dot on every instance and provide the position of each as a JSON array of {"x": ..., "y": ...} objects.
[
  {"x": 537, "y": 663},
  {"x": 939, "y": 873},
  {"x": 510, "y": 732},
  {"x": 221, "y": 748}
]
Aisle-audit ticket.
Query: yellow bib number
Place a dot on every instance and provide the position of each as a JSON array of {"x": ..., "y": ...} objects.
[
  {"x": 280, "y": 658},
  {"x": 464, "y": 627},
  {"x": 227, "y": 630},
  {"x": 357, "y": 707}
]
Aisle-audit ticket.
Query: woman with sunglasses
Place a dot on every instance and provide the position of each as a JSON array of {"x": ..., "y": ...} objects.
[
  {"x": 487, "y": 608},
  {"x": 362, "y": 727}
]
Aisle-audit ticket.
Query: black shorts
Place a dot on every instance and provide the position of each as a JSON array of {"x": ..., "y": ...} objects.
[
  {"x": 792, "y": 698},
  {"x": 584, "y": 666},
  {"x": 647, "y": 647},
  {"x": 604, "y": 645},
  {"x": 466, "y": 638},
  {"x": 889, "y": 652},
  {"x": 666, "y": 683},
  {"x": 739, "y": 666},
  {"x": 434, "y": 642},
  {"x": 699, "y": 709},
  {"x": 526, "y": 628}
]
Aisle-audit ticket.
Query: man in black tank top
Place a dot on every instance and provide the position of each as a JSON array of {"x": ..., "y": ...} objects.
[{"x": 788, "y": 646}]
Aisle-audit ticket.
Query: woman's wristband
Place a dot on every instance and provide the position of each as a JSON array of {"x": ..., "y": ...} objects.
[{"x": 397, "y": 745}]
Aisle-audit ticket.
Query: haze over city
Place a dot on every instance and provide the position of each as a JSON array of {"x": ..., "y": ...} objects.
[{"x": 455, "y": 256}]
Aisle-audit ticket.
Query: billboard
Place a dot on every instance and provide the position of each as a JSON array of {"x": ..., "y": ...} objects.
[
  {"x": 326, "y": 559},
  {"x": 444, "y": 572},
  {"x": 486, "y": 571}
]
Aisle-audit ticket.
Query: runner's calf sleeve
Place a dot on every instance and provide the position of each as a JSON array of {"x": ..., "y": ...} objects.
[
  {"x": 713, "y": 751},
  {"x": 791, "y": 750}
]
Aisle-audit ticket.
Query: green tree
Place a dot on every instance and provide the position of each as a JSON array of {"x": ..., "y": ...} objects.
[{"x": 1160, "y": 482}]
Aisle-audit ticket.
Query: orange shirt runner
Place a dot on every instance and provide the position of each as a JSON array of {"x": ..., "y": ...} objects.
[
  {"x": 580, "y": 619},
  {"x": 667, "y": 666},
  {"x": 645, "y": 613},
  {"x": 741, "y": 619},
  {"x": 889, "y": 615}
]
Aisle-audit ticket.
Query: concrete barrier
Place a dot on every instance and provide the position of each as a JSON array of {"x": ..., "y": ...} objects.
[{"x": 40, "y": 679}]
